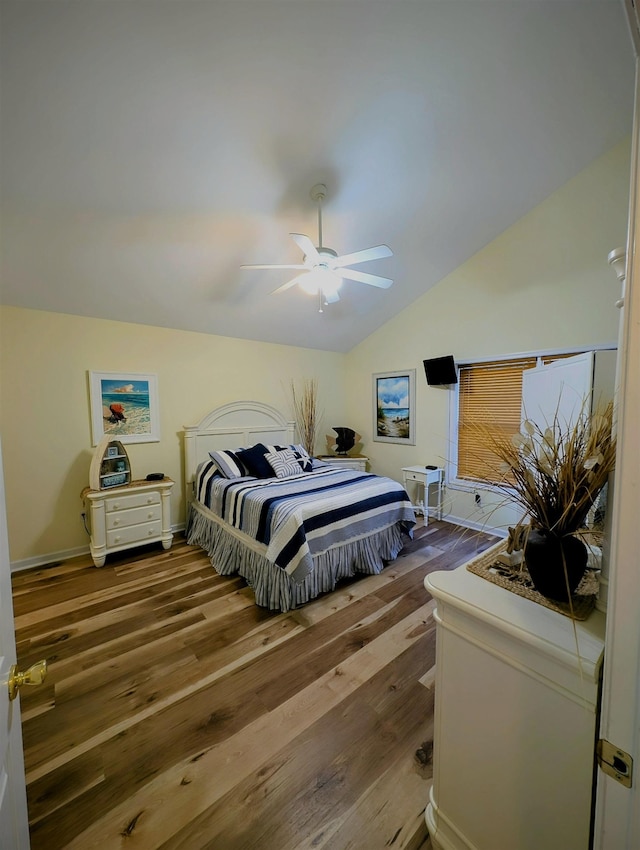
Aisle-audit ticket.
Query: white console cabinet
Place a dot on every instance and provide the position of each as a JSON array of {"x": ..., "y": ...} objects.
[
  {"x": 133, "y": 515},
  {"x": 515, "y": 720}
]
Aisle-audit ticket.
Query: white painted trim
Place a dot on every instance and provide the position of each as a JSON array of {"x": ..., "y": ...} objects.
[
  {"x": 476, "y": 526},
  {"x": 63, "y": 555},
  {"x": 617, "y": 809},
  {"x": 548, "y": 352}
]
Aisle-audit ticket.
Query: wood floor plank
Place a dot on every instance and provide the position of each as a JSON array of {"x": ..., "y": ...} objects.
[{"x": 178, "y": 714}]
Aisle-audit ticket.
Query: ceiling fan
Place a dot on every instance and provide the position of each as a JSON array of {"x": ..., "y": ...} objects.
[{"x": 323, "y": 270}]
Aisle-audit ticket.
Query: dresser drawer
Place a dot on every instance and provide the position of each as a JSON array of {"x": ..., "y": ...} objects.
[
  {"x": 134, "y": 534},
  {"x": 132, "y": 500},
  {"x": 133, "y": 516},
  {"x": 415, "y": 476}
]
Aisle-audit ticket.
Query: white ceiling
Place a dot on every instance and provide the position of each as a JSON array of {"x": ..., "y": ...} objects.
[{"x": 148, "y": 148}]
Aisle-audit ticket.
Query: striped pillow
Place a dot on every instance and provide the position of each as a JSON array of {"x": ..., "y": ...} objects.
[
  {"x": 228, "y": 463},
  {"x": 286, "y": 463}
]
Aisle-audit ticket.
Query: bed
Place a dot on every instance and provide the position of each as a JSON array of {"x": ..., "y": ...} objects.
[{"x": 296, "y": 533}]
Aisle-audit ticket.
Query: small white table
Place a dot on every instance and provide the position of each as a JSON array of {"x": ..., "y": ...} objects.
[{"x": 425, "y": 478}]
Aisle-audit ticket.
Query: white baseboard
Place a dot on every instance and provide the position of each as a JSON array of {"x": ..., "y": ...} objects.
[
  {"x": 63, "y": 555},
  {"x": 476, "y": 526}
]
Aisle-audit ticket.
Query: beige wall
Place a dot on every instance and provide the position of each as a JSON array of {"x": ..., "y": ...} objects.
[
  {"x": 45, "y": 415},
  {"x": 542, "y": 284}
]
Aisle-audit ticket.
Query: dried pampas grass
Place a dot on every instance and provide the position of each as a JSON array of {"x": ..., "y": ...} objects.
[
  {"x": 555, "y": 474},
  {"x": 305, "y": 411}
]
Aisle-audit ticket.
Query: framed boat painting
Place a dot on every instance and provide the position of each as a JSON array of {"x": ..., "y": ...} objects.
[
  {"x": 124, "y": 405},
  {"x": 394, "y": 407}
]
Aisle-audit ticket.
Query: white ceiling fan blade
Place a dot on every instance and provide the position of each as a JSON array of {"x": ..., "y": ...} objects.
[
  {"x": 363, "y": 277},
  {"x": 272, "y": 266},
  {"x": 306, "y": 246},
  {"x": 290, "y": 283},
  {"x": 375, "y": 253}
]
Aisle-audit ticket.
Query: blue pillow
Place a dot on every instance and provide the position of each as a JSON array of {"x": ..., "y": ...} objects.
[{"x": 255, "y": 461}]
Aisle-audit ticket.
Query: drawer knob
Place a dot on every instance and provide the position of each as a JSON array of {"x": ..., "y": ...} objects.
[
  {"x": 116, "y": 522},
  {"x": 149, "y": 500},
  {"x": 150, "y": 515},
  {"x": 117, "y": 539},
  {"x": 116, "y": 506},
  {"x": 150, "y": 532}
]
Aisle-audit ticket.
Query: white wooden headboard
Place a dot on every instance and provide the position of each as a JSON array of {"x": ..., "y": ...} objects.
[{"x": 241, "y": 423}]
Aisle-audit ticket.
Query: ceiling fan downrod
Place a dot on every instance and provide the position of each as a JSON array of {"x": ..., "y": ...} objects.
[{"x": 318, "y": 194}]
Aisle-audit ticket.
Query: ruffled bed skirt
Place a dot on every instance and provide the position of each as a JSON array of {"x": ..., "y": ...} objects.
[{"x": 232, "y": 552}]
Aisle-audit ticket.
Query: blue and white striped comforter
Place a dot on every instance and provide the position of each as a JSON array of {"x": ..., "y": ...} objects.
[{"x": 298, "y": 518}]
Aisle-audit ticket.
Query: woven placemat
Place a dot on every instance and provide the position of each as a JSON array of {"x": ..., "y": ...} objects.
[{"x": 517, "y": 580}]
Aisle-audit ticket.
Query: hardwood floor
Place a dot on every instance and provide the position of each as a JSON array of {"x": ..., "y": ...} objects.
[{"x": 177, "y": 715}]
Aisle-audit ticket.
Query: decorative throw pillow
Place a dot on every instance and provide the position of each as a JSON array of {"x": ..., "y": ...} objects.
[
  {"x": 300, "y": 449},
  {"x": 255, "y": 462},
  {"x": 286, "y": 463},
  {"x": 306, "y": 463},
  {"x": 228, "y": 463},
  {"x": 294, "y": 447}
]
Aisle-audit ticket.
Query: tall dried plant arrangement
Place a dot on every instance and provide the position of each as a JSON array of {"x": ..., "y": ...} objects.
[
  {"x": 305, "y": 411},
  {"x": 556, "y": 473}
]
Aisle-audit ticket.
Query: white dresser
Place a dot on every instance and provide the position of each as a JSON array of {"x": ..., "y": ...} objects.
[
  {"x": 358, "y": 462},
  {"x": 515, "y": 720},
  {"x": 122, "y": 517}
]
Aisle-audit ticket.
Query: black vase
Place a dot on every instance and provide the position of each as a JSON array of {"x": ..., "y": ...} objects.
[{"x": 556, "y": 564}]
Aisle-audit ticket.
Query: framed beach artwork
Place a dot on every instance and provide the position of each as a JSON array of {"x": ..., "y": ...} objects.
[
  {"x": 125, "y": 405},
  {"x": 394, "y": 407}
]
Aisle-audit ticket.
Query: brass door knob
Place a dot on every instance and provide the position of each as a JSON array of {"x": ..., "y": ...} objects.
[{"x": 35, "y": 675}]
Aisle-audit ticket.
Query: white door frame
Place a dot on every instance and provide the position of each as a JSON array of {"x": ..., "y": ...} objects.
[
  {"x": 617, "y": 818},
  {"x": 14, "y": 827}
]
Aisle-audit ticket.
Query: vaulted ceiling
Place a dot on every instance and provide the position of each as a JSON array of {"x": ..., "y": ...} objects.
[{"x": 149, "y": 148}]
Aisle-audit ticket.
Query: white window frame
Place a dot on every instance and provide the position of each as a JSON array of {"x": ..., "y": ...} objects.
[{"x": 451, "y": 464}]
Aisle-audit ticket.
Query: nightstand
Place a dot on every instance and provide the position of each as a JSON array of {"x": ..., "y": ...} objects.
[
  {"x": 122, "y": 517},
  {"x": 425, "y": 478},
  {"x": 358, "y": 462}
]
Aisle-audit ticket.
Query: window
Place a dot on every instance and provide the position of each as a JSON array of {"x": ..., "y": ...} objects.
[{"x": 489, "y": 396}]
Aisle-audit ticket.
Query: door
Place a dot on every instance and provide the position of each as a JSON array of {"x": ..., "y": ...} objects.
[{"x": 14, "y": 829}]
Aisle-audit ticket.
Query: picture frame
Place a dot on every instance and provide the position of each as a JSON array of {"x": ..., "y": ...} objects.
[
  {"x": 394, "y": 407},
  {"x": 112, "y": 451},
  {"x": 124, "y": 405}
]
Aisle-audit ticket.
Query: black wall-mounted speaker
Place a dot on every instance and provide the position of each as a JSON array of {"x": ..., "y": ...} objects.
[{"x": 440, "y": 371}]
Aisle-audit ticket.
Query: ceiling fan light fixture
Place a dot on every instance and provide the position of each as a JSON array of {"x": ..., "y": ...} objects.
[
  {"x": 320, "y": 280},
  {"x": 325, "y": 269}
]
